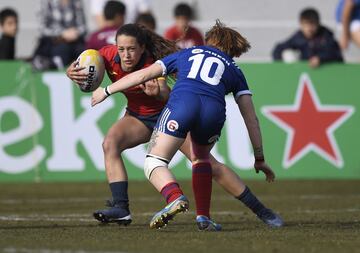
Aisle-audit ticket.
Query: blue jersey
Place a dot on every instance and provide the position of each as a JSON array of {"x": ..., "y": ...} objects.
[
  {"x": 206, "y": 71},
  {"x": 197, "y": 102}
]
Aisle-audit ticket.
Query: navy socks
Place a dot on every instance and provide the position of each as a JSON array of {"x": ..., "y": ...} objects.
[
  {"x": 250, "y": 200},
  {"x": 119, "y": 191}
]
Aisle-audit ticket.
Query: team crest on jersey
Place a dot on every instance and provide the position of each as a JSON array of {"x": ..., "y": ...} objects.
[
  {"x": 197, "y": 51},
  {"x": 214, "y": 138},
  {"x": 172, "y": 125}
]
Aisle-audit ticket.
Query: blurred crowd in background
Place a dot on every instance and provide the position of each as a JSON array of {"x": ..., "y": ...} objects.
[{"x": 64, "y": 33}]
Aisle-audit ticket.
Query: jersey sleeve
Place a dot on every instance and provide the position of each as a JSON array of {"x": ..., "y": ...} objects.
[
  {"x": 239, "y": 84},
  {"x": 108, "y": 53},
  {"x": 168, "y": 63},
  {"x": 104, "y": 52}
]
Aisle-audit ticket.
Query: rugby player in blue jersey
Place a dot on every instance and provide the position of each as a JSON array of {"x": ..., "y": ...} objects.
[{"x": 205, "y": 74}]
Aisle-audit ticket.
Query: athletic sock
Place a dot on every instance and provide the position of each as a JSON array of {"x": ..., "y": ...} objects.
[
  {"x": 201, "y": 184},
  {"x": 119, "y": 191},
  {"x": 171, "y": 191},
  {"x": 250, "y": 200}
]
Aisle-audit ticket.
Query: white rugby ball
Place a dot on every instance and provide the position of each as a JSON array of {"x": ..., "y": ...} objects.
[{"x": 94, "y": 69}]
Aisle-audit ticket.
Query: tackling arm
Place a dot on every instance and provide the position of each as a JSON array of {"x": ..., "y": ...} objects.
[{"x": 130, "y": 80}]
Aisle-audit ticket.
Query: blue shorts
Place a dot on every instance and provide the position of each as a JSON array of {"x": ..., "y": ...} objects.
[
  {"x": 185, "y": 112},
  {"x": 149, "y": 120}
]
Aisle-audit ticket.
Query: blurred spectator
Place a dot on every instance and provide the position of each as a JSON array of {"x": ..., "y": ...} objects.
[
  {"x": 182, "y": 32},
  {"x": 114, "y": 13},
  {"x": 133, "y": 9},
  {"x": 147, "y": 20},
  {"x": 9, "y": 26},
  {"x": 348, "y": 15},
  {"x": 63, "y": 31},
  {"x": 313, "y": 42}
]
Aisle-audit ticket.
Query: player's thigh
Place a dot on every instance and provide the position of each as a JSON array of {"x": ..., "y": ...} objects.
[
  {"x": 128, "y": 132},
  {"x": 195, "y": 151},
  {"x": 186, "y": 147},
  {"x": 164, "y": 145}
]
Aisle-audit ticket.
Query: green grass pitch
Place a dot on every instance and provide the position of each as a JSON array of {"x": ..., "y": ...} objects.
[{"x": 320, "y": 216}]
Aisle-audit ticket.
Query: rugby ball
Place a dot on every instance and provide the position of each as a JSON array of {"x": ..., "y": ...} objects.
[{"x": 94, "y": 69}]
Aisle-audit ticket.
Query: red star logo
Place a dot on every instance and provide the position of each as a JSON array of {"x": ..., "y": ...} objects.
[{"x": 309, "y": 125}]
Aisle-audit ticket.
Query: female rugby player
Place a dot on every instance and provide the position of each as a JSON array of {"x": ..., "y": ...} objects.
[{"x": 205, "y": 74}]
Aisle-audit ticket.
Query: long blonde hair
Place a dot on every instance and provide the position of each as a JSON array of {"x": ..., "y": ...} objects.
[{"x": 227, "y": 40}]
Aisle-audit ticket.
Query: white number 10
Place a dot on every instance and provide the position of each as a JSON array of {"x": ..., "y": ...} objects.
[{"x": 206, "y": 67}]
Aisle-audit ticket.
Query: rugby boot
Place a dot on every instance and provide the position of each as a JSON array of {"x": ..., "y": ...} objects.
[
  {"x": 270, "y": 218},
  {"x": 161, "y": 218},
  {"x": 116, "y": 213},
  {"x": 206, "y": 224}
]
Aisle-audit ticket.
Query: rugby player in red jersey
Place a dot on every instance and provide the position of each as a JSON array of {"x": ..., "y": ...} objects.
[{"x": 137, "y": 48}]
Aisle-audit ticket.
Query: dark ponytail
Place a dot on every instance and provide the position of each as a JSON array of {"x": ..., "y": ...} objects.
[{"x": 155, "y": 45}]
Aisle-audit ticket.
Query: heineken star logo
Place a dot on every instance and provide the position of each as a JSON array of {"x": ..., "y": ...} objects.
[{"x": 309, "y": 125}]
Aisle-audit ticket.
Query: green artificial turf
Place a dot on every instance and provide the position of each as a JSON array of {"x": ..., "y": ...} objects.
[{"x": 320, "y": 216}]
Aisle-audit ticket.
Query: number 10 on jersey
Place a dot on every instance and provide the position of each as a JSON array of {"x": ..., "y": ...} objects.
[{"x": 203, "y": 67}]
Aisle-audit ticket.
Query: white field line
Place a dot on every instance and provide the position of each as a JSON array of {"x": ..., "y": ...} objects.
[
  {"x": 81, "y": 217},
  {"x": 151, "y": 199},
  {"x": 26, "y": 250}
]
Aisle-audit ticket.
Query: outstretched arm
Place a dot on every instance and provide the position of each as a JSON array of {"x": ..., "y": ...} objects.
[
  {"x": 130, "y": 80},
  {"x": 252, "y": 124}
]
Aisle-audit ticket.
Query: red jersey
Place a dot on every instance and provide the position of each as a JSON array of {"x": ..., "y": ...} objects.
[
  {"x": 138, "y": 101},
  {"x": 192, "y": 37}
]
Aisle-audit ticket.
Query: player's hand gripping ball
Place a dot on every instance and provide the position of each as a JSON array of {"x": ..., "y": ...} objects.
[{"x": 94, "y": 66}]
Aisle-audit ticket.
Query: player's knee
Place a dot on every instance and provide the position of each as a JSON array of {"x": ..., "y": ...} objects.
[
  {"x": 106, "y": 145},
  {"x": 112, "y": 144},
  {"x": 152, "y": 162}
]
